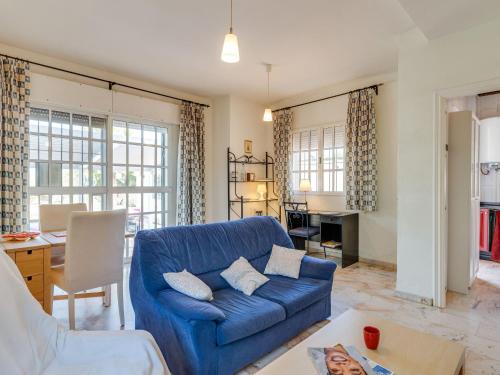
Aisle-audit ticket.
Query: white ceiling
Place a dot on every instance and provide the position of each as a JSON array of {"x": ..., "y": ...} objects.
[
  {"x": 177, "y": 43},
  {"x": 436, "y": 18}
]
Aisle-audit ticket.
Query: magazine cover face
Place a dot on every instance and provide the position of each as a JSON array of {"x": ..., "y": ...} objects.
[{"x": 335, "y": 361}]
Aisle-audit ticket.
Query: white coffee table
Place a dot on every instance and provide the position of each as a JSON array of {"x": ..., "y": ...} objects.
[{"x": 403, "y": 350}]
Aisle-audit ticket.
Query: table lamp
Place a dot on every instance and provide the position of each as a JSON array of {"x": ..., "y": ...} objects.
[
  {"x": 305, "y": 186},
  {"x": 261, "y": 189}
]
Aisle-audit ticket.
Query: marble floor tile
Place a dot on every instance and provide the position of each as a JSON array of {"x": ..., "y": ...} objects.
[{"x": 472, "y": 319}]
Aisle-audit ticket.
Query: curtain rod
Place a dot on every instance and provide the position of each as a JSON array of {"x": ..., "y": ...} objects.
[
  {"x": 110, "y": 83},
  {"x": 375, "y": 87},
  {"x": 489, "y": 93}
]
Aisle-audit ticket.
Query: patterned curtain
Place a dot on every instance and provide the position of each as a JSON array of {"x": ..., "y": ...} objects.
[
  {"x": 282, "y": 133},
  {"x": 361, "y": 152},
  {"x": 14, "y": 147},
  {"x": 191, "y": 170}
]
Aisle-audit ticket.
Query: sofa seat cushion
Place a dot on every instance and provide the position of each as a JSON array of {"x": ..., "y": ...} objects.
[
  {"x": 294, "y": 294},
  {"x": 245, "y": 315}
]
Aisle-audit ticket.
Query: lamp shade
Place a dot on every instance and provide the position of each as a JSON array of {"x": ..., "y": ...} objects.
[
  {"x": 305, "y": 185},
  {"x": 261, "y": 188},
  {"x": 268, "y": 115},
  {"x": 230, "y": 51}
]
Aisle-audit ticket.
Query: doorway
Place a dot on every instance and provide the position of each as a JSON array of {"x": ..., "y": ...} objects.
[{"x": 446, "y": 101}]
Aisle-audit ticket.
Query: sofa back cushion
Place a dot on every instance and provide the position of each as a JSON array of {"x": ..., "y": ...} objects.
[{"x": 205, "y": 250}]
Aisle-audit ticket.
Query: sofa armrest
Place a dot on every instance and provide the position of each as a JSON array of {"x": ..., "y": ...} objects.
[
  {"x": 317, "y": 268},
  {"x": 189, "y": 308}
]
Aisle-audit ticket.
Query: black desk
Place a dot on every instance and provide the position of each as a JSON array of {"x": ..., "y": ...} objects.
[{"x": 342, "y": 227}]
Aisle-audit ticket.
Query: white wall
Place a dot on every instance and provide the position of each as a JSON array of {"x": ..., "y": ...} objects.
[
  {"x": 220, "y": 143},
  {"x": 424, "y": 70},
  {"x": 377, "y": 229},
  {"x": 247, "y": 124},
  {"x": 235, "y": 120},
  {"x": 490, "y": 186}
]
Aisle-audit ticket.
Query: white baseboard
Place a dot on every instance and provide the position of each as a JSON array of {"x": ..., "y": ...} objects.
[
  {"x": 387, "y": 265},
  {"x": 414, "y": 298},
  {"x": 314, "y": 247}
]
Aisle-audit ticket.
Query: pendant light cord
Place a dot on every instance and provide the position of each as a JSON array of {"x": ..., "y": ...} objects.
[
  {"x": 268, "y": 84},
  {"x": 231, "y": 25}
]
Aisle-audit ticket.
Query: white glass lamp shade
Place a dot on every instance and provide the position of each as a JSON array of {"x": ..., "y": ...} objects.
[
  {"x": 261, "y": 189},
  {"x": 305, "y": 185},
  {"x": 268, "y": 115},
  {"x": 230, "y": 51}
]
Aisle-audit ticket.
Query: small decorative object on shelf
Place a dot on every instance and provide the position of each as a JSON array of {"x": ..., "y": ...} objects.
[
  {"x": 261, "y": 190},
  {"x": 237, "y": 175},
  {"x": 258, "y": 212}
]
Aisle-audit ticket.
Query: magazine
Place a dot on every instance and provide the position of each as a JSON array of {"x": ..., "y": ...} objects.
[{"x": 340, "y": 360}]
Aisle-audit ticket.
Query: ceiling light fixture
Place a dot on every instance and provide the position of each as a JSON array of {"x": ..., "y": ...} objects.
[
  {"x": 230, "y": 51},
  {"x": 268, "y": 114}
]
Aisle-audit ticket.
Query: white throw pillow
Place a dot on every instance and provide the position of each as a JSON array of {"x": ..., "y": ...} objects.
[
  {"x": 242, "y": 276},
  {"x": 284, "y": 262},
  {"x": 188, "y": 284}
]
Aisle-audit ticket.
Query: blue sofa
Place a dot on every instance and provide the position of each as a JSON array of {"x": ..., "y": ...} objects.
[{"x": 233, "y": 330}]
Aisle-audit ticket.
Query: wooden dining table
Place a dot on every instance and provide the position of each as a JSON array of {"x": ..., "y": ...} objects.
[
  {"x": 34, "y": 260},
  {"x": 58, "y": 238}
]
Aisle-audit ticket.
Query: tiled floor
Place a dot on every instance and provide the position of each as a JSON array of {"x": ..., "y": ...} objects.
[{"x": 472, "y": 319}]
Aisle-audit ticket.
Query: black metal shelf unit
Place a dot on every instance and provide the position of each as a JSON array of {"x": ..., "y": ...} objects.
[{"x": 233, "y": 198}]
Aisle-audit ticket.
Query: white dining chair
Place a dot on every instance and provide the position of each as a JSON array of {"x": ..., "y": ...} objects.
[
  {"x": 94, "y": 256},
  {"x": 54, "y": 217}
]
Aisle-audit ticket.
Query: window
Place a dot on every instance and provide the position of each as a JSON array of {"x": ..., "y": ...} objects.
[
  {"x": 333, "y": 159},
  {"x": 69, "y": 163},
  {"x": 140, "y": 173},
  {"x": 67, "y": 160},
  {"x": 305, "y": 149},
  {"x": 318, "y": 156}
]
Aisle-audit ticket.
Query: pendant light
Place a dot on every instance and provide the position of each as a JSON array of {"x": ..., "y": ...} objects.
[
  {"x": 268, "y": 114},
  {"x": 230, "y": 51}
]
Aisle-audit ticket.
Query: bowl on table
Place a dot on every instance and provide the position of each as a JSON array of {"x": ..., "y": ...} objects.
[{"x": 20, "y": 236}]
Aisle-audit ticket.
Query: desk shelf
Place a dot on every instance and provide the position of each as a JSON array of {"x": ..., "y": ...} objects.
[
  {"x": 331, "y": 244},
  {"x": 338, "y": 230}
]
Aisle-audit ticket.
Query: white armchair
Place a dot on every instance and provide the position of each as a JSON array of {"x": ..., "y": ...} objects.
[{"x": 32, "y": 342}]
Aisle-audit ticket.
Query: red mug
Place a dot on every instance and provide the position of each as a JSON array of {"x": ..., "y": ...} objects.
[{"x": 371, "y": 336}]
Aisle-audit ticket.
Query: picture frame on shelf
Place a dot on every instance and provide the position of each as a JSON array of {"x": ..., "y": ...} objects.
[
  {"x": 247, "y": 146},
  {"x": 250, "y": 176}
]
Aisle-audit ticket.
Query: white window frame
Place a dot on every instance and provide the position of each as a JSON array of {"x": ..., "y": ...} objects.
[
  {"x": 172, "y": 149},
  {"x": 109, "y": 190},
  {"x": 320, "y": 129},
  {"x": 71, "y": 190}
]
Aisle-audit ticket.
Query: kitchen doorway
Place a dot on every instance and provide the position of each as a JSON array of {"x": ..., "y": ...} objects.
[{"x": 463, "y": 99}]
